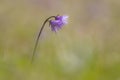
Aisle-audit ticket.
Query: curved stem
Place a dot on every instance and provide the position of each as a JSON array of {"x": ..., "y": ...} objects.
[{"x": 36, "y": 43}]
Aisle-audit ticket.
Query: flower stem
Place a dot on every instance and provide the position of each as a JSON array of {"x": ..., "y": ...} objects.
[{"x": 37, "y": 40}]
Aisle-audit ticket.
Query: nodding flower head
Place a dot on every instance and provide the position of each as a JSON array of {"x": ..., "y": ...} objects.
[{"x": 58, "y": 22}]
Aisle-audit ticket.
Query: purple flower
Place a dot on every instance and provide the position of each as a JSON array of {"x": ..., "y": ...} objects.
[{"x": 58, "y": 23}]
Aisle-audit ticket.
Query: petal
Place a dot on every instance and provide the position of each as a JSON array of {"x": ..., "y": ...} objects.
[
  {"x": 55, "y": 25},
  {"x": 65, "y": 19}
]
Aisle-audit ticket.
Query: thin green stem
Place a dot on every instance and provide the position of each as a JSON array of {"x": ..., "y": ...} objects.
[{"x": 37, "y": 40}]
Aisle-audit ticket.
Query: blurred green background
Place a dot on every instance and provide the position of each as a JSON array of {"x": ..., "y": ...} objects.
[{"x": 88, "y": 48}]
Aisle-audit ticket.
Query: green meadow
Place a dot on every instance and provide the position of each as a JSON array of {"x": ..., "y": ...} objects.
[{"x": 87, "y": 48}]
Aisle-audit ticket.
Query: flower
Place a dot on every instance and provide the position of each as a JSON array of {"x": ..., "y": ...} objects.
[{"x": 58, "y": 22}]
